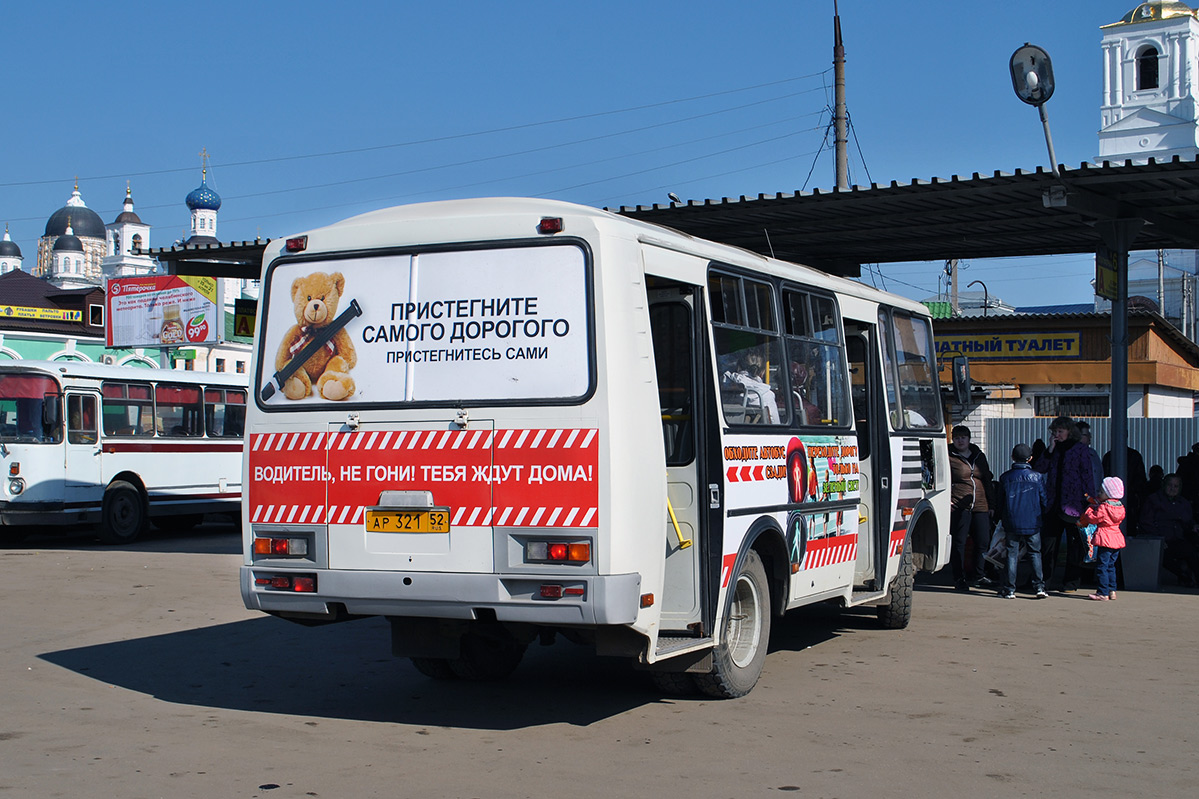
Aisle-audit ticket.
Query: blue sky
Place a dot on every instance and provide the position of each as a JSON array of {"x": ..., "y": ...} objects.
[{"x": 313, "y": 112}]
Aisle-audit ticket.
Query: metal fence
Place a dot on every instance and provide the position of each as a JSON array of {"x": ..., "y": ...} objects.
[{"x": 1160, "y": 441}]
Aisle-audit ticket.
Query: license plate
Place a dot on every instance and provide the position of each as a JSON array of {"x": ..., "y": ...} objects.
[{"x": 436, "y": 520}]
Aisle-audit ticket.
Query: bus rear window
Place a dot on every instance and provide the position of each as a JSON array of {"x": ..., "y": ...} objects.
[
  {"x": 443, "y": 327},
  {"x": 29, "y": 409}
]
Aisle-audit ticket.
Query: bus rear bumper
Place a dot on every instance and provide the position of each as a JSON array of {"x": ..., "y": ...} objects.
[{"x": 604, "y": 600}]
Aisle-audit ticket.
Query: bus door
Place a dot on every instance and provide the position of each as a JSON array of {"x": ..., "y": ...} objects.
[
  {"x": 84, "y": 478},
  {"x": 675, "y": 333},
  {"x": 874, "y": 463}
]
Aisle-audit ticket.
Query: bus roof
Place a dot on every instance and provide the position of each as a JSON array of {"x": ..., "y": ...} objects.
[
  {"x": 98, "y": 371},
  {"x": 646, "y": 232}
]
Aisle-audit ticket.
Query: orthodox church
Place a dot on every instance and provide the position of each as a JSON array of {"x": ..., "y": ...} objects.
[
  {"x": 1150, "y": 109},
  {"x": 78, "y": 250}
]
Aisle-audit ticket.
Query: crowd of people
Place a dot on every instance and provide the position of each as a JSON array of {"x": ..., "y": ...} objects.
[{"x": 1063, "y": 490}]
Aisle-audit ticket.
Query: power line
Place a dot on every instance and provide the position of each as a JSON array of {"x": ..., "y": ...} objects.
[{"x": 439, "y": 139}]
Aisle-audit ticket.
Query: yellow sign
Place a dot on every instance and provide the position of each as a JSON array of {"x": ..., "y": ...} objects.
[
  {"x": 204, "y": 285},
  {"x": 244, "y": 314},
  {"x": 1011, "y": 346},
  {"x": 1105, "y": 275},
  {"x": 40, "y": 314}
]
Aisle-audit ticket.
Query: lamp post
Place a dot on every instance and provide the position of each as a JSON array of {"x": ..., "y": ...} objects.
[
  {"x": 1032, "y": 78},
  {"x": 986, "y": 295}
]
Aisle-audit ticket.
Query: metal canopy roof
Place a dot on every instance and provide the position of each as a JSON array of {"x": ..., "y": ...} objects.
[
  {"x": 1026, "y": 213},
  {"x": 240, "y": 259}
]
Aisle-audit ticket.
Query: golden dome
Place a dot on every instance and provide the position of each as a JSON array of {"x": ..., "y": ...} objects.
[{"x": 1153, "y": 11}]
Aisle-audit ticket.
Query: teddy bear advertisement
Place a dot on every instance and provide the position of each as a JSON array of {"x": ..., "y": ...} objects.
[{"x": 499, "y": 324}]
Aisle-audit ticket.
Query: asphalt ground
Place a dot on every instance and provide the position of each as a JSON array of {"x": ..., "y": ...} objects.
[{"x": 136, "y": 672}]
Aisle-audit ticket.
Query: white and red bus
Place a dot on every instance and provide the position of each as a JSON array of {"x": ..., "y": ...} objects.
[
  {"x": 538, "y": 418},
  {"x": 83, "y": 443}
]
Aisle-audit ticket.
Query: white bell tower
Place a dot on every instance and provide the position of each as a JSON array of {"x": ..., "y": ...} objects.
[{"x": 1151, "y": 84}]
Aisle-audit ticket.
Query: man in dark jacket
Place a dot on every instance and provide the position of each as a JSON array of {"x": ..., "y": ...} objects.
[{"x": 1022, "y": 500}]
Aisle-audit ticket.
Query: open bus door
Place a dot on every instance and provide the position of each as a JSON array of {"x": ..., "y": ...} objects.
[{"x": 874, "y": 459}]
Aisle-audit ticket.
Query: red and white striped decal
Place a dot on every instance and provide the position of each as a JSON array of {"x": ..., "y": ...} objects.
[
  {"x": 513, "y": 477},
  {"x": 897, "y": 539},
  {"x": 745, "y": 474},
  {"x": 830, "y": 551}
]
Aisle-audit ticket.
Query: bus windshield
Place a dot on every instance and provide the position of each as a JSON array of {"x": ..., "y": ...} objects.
[{"x": 29, "y": 409}]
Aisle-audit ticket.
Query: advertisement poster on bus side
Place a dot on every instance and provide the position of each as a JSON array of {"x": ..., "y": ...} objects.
[
  {"x": 161, "y": 311},
  {"x": 488, "y": 324}
]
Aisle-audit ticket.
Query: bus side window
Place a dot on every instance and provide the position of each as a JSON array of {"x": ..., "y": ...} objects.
[
  {"x": 126, "y": 409},
  {"x": 81, "y": 419},
  {"x": 815, "y": 360},
  {"x": 224, "y": 412},
  {"x": 178, "y": 410},
  {"x": 749, "y": 352}
]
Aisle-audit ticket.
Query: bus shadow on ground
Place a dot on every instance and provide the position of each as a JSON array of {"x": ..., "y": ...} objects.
[{"x": 346, "y": 671}]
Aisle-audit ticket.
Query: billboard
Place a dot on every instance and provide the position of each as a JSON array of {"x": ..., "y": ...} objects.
[{"x": 162, "y": 311}]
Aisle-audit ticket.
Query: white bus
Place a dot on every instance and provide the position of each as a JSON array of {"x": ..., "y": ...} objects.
[
  {"x": 492, "y": 421},
  {"x": 120, "y": 447}
]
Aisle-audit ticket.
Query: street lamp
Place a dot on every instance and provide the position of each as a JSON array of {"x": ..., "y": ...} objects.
[
  {"x": 1032, "y": 79},
  {"x": 986, "y": 296}
]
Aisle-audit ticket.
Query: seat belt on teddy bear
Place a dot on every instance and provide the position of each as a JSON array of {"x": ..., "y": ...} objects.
[{"x": 320, "y": 337}]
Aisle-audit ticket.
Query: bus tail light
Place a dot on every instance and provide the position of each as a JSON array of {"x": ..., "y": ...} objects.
[
  {"x": 297, "y": 244},
  {"x": 551, "y": 224},
  {"x": 299, "y": 583},
  {"x": 554, "y": 591},
  {"x": 544, "y": 551},
  {"x": 280, "y": 547}
]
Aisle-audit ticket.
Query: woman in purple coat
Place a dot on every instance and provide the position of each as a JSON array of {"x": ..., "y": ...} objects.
[{"x": 1066, "y": 464}]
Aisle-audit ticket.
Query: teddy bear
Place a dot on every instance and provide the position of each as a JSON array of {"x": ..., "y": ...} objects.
[{"x": 315, "y": 298}]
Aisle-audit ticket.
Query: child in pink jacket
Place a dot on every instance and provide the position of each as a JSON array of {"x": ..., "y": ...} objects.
[{"x": 1106, "y": 513}]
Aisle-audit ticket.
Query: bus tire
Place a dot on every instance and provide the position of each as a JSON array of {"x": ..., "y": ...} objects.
[
  {"x": 897, "y": 613},
  {"x": 487, "y": 656},
  {"x": 123, "y": 517},
  {"x": 673, "y": 683},
  {"x": 436, "y": 668},
  {"x": 741, "y": 653}
]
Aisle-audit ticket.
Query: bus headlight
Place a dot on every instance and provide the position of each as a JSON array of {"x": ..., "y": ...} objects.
[{"x": 16, "y": 485}]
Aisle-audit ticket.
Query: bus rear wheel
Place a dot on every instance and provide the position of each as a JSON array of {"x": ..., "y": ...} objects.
[
  {"x": 739, "y": 657},
  {"x": 437, "y": 668},
  {"x": 123, "y": 516},
  {"x": 897, "y": 613},
  {"x": 487, "y": 655}
]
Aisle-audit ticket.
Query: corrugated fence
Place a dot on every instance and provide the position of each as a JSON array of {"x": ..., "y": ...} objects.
[{"x": 1160, "y": 441}]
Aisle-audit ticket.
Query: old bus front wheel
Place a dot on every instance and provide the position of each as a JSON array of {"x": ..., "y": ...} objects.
[
  {"x": 123, "y": 516},
  {"x": 739, "y": 657}
]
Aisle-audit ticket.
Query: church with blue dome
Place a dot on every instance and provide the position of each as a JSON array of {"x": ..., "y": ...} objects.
[{"x": 78, "y": 250}]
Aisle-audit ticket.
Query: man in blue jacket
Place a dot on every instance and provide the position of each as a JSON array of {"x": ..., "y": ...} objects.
[{"x": 1022, "y": 499}]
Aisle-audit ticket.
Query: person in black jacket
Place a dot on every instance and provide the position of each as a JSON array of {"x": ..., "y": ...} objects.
[
  {"x": 971, "y": 502},
  {"x": 1022, "y": 500}
]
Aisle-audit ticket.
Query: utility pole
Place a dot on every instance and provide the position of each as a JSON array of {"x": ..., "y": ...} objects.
[
  {"x": 1161, "y": 282},
  {"x": 951, "y": 266},
  {"x": 840, "y": 115}
]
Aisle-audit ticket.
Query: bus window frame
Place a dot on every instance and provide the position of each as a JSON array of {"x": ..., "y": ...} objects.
[
  {"x": 813, "y": 340},
  {"x": 897, "y": 411},
  {"x": 781, "y": 389},
  {"x": 145, "y": 427}
]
